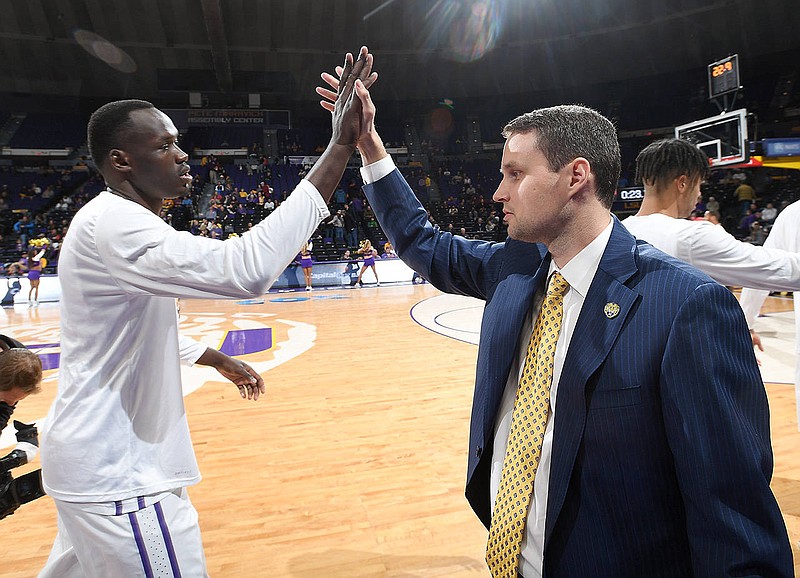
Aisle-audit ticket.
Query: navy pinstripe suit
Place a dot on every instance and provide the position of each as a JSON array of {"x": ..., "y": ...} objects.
[{"x": 661, "y": 455}]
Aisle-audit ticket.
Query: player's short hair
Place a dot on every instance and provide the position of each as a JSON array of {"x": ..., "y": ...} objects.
[
  {"x": 665, "y": 160},
  {"x": 108, "y": 126},
  {"x": 567, "y": 132},
  {"x": 20, "y": 368}
]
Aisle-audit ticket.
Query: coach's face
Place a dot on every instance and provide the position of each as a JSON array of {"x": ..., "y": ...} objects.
[
  {"x": 534, "y": 197},
  {"x": 156, "y": 165}
]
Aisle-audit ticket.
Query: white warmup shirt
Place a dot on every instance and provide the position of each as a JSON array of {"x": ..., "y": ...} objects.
[
  {"x": 716, "y": 252},
  {"x": 785, "y": 234},
  {"x": 117, "y": 428}
]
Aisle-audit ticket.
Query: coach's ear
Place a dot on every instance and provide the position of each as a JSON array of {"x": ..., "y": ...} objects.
[
  {"x": 579, "y": 173},
  {"x": 118, "y": 159}
]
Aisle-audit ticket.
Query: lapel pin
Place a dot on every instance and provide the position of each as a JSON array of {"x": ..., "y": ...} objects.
[{"x": 611, "y": 310}]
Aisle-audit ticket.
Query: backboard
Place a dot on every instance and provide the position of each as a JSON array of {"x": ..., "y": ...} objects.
[{"x": 723, "y": 137}]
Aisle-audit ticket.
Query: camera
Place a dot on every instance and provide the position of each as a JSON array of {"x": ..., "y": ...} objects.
[{"x": 17, "y": 491}]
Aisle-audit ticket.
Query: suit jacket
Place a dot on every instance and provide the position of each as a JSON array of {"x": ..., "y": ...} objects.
[{"x": 661, "y": 458}]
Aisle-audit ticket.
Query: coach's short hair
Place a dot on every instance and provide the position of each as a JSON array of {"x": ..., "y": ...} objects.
[
  {"x": 665, "y": 160},
  {"x": 107, "y": 127},
  {"x": 567, "y": 132},
  {"x": 20, "y": 368}
]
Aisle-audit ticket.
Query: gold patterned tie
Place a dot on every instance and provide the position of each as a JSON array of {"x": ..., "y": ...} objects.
[{"x": 524, "y": 448}]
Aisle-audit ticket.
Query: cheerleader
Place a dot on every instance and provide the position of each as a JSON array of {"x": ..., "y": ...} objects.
[
  {"x": 34, "y": 274},
  {"x": 369, "y": 253},
  {"x": 306, "y": 262}
]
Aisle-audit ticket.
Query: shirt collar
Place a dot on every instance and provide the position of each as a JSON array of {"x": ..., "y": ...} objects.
[{"x": 580, "y": 270}]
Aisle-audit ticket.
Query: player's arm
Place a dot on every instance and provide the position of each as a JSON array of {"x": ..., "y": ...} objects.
[
  {"x": 146, "y": 256},
  {"x": 732, "y": 262}
]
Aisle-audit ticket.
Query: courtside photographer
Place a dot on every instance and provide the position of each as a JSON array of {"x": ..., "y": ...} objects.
[{"x": 20, "y": 376}]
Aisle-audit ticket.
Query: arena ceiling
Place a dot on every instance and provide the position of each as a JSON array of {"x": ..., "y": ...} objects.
[{"x": 227, "y": 49}]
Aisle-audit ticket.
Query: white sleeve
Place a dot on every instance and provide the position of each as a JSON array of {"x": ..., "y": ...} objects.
[
  {"x": 377, "y": 170},
  {"x": 146, "y": 256},
  {"x": 190, "y": 350},
  {"x": 751, "y": 301},
  {"x": 783, "y": 235},
  {"x": 730, "y": 262}
]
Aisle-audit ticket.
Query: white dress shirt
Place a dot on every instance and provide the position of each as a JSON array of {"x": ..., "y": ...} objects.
[{"x": 579, "y": 273}]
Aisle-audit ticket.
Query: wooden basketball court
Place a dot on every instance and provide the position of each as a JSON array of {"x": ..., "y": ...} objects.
[{"x": 353, "y": 464}]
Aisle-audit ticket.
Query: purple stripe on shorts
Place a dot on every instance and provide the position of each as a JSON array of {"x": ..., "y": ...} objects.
[
  {"x": 173, "y": 559},
  {"x": 140, "y": 502},
  {"x": 137, "y": 535},
  {"x": 118, "y": 507}
]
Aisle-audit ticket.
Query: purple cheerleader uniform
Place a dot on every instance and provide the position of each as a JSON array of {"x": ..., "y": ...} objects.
[{"x": 34, "y": 274}]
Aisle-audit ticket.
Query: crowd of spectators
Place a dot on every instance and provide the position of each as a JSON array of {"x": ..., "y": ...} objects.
[{"x": 227, "y": 198}]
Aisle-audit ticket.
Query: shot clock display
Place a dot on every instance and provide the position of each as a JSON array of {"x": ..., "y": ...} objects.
[{"x": 723, "y": 76}]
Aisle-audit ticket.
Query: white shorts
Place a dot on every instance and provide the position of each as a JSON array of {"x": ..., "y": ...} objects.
[{"x": 150, "y": 536}]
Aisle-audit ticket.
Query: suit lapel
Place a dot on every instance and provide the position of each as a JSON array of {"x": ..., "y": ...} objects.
[
  {"x": 503, "y": 317},
  {"x": 596, "y": 331}
]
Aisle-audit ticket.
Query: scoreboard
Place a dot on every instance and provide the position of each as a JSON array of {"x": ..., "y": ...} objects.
[
  {"x": 627, "y": 201},
  {"x": 723, "y": 76}
]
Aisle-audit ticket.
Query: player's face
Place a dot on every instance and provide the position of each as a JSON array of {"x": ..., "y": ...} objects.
[
  {"x": 689, "y": 195},
  {"x": 158, "y": 165},
  {"x": 534, "y": 197}
]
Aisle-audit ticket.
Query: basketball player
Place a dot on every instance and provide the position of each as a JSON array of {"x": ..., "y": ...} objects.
[
  {"x": 785, "y": 234},
  {"x": 117, "y": 455},
  {"x": 671, "y": 171}
]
